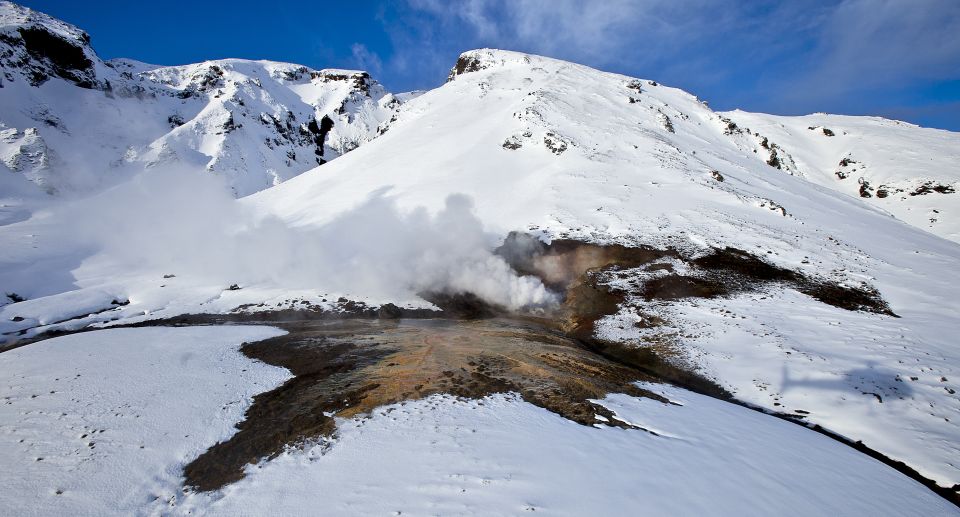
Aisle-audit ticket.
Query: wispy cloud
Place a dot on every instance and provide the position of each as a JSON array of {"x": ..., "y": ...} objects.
[
  {"x": 889, "y": 44},
  {"x": 803, "y": 55},
  {"x": 366, "y": 60},
  {"x": 597, "y": 32}
]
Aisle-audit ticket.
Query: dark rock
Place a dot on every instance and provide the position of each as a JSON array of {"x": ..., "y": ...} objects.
[
  {"x": 464, "y": 65},
  {"x": 230, "y": 125},
  {"x": 731, "y": 127},
  {"x": 389, "y": 311},
  {"x": 930, "y": 187},
  {"x": 554, "y": 143},
  {"x": 360, "y": 80},
  {"x": 320, "y": 132},
  {"x": 774, "y": 160},
  {"x": 65, "y": 59},
  {"x": 512, "y": 143}
]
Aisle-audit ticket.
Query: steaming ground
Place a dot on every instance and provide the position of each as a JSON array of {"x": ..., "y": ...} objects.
[
  {"x": 170, "y": 236},
  {"x": 766, "y": 256}
]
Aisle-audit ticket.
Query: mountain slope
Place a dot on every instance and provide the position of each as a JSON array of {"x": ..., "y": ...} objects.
[
  {"x": 72, "y": 123},
  {"x": 909, "y": 171}
]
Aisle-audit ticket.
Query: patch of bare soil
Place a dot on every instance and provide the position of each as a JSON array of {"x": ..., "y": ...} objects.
[
  {"x": 564, "y": 265},
  {"x": 348, "y": 368}
]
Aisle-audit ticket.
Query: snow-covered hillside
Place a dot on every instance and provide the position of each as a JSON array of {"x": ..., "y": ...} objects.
[
  {"x": 511, "y": 143},
  {"x": 70, "y": 122},
  {"x": 909, "y": 171}
]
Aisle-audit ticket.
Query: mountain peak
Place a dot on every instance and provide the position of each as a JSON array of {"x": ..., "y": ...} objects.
[
  {"x": 14, "y": 17},
  {"x": 41, "y": 47},
  {"x": 484, "y": 58}
]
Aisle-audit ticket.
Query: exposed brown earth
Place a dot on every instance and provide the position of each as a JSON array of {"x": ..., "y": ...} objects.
[{"x": 348, "y": 368}]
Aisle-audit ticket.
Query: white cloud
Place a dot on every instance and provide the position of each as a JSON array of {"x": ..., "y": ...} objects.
[
  {"x": 856, "y": 56},
  {"x": 590, "y": 30},
  {"x": 885, "y": 43},
  {"x": 637, "y": 36},
  {"x": 366, "y": 60}
]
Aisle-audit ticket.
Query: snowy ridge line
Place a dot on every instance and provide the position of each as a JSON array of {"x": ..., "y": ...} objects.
[{"x": 253, "y": 122}]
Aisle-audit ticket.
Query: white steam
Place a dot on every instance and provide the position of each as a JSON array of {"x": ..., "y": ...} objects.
[{"x": 184, "y": 223}]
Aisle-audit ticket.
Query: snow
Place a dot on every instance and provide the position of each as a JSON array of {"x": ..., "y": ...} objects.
[
  {"x": 13, "y": 17},
  {"x": 244, "y": 120},
  {"x": 109, "y": 418},
  {"x": 884, "y": 152},
  {"x": 176, "y": 391},
  {"x": 864, "y": 376},
  {"x": 590, "y": 155},
  {"x": 503, "y": 456}
]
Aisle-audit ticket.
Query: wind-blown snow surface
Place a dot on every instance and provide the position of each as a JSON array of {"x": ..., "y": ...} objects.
[
  {"x": 74, "y": 124},
  {"x": 101, "y": 423},
  {"x": 503, "y": 456}
]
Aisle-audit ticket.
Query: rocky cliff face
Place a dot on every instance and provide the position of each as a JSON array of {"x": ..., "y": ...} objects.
[{"x": 37, "y": 47}]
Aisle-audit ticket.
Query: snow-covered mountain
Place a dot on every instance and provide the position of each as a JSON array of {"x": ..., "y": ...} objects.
[
  {"x": 804, "y": 210},
  {"x": 565, "y": 151},
  {"x": 909, "y": 171},
  {"x": 71, "y": 122}
]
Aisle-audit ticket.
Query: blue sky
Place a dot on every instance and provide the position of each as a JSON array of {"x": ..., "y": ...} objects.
[{"x": 895, "y": 58}]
